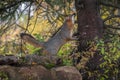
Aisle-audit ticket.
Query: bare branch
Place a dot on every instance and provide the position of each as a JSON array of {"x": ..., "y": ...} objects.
[
  {"x": 35, "y": 22},
  {"x": 110, "y": 4},
  {"x": 110, "y": 26},
  {"x": 28, "y": 21},
  {"x": 108, "y": 18},
  {"x": 8, "y": 6}
]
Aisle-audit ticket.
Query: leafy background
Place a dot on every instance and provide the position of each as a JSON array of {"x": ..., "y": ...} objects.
[{"x": 42, "y": 18}]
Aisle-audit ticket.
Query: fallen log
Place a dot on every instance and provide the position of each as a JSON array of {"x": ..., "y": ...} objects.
[
  {"x": 39, "y": 72},
  {"x": 33, "y": 59}
]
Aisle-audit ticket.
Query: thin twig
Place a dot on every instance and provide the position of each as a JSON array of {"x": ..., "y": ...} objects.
[
  {"x": 35, "y": 22},
  {"x": 110, "y": 4},
  {"x": 110, "y": 26},
  {"x": 28, "y": 21},
  {"x": 108, "y": 18}
]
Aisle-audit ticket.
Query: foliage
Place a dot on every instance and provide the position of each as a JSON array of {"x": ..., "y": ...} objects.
[
  {"x": 64, "y": 54},
  {"x": 49, "y": 14},
  {"x": 3, "y": 76},
  {"x": 109, "y": 49}
]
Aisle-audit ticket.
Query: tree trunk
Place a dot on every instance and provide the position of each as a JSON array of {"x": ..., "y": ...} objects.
[
  {"x": 90, "y": 28},
  {"x": 90, "y": 25}
]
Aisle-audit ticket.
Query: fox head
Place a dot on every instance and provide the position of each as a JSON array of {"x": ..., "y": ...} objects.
[{"x": 70, "y": 22}]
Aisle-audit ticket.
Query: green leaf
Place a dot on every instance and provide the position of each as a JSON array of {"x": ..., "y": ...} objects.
[{"x": 102, "y": 50}]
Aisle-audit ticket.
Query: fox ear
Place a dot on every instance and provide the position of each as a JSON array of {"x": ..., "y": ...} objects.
[{"x": 70, "y": 18}]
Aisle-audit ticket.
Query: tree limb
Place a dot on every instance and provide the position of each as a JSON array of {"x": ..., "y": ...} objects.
[
  {"x": 27, "y": 60},
  {"x": 8, "y": 6},
  {"x": 109, "y": 4},
  {"x": 110, "y": 26},
  {"x": 108, "y": 18}
]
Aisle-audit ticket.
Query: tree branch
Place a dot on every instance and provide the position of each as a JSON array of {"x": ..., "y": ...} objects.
[
  {"x": 109, "y": 4},
  {"x": 27, "y": 60},
  {"x": 110, "y": 26},
  {"x": 8, "y": 6},
  {"x": 108, "y": 18}
]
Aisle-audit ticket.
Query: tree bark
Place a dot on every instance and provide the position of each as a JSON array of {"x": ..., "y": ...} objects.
[
  {"x": 90, "y": 28},
  {"x": 90, "y": 25}
]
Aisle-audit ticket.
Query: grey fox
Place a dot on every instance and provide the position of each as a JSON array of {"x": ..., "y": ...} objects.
[{"x": 52, "y": 46}]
